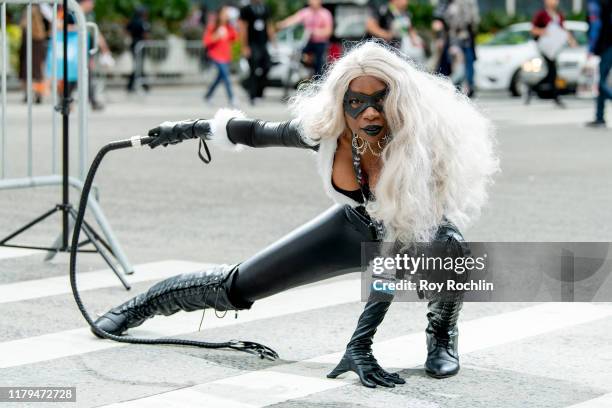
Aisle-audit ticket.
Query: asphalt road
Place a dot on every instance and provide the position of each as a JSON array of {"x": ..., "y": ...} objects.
[{"x": 172, "y": 213}]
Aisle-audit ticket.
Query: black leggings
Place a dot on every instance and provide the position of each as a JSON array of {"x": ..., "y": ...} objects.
[{"x": 550, "y": 80}]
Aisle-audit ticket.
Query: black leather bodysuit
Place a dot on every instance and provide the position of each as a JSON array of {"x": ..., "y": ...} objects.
[
  {"x": 352, "y": 194},
  {"x": 327, "y": 246}
]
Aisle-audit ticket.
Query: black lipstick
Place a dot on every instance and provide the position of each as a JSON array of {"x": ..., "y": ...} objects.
[{"x": 372, "y": 130}]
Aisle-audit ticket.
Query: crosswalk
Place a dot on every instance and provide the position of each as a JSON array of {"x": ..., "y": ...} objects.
[
  {"x": 280, "y": 383},
  {"x": 78, "y": 341},
  {"x": 274, "y": 384}
]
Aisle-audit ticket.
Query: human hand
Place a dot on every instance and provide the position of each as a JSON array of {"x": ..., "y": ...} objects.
[
  {"x": 246, "y": 51},
  {"x": 361, "y": 361},
  {"x": 437, "y": 25},
  {"x": 221, "y": 31},
  {"x": 106, "y": 60},
  {"x": 417, "y": 41}
]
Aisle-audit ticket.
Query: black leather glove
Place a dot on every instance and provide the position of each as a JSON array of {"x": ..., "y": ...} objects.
[
  {"x": 175, "y": 132},
  {"x": 358, "y": 356},
  {"x": 361, "y": 361}
]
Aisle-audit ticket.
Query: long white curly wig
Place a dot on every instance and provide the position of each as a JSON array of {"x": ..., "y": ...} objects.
[{"x": 442, "y": 155}]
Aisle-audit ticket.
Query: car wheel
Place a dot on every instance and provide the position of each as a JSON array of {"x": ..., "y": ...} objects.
[{"x": 515, "y": 84}]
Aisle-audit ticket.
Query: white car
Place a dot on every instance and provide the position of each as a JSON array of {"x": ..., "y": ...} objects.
[
  {"x": 285, "y": 55},
  {"x": 286, "y": 69},
  {"x": 501, "y": 59}
]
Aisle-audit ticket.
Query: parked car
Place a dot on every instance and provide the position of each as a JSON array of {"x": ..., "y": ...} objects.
[{"x": 502, "y": 59}]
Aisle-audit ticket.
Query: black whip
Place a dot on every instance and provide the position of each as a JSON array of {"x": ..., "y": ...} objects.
[{"x": 247, "y": 346}]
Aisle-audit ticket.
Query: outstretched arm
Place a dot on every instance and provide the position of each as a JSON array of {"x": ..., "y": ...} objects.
[
  {"x": 259, "y": 133},
  {"x": 229, "y": 129},
  {"x": 291, "y": 20},
  {"x": 374, "y": 29}
]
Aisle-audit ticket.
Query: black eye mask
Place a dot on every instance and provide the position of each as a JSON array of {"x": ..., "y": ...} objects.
[{"x": 355, "y": 103}]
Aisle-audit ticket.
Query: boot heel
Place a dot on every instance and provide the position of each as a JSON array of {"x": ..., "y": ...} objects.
[{"x": 341, "y": 368}]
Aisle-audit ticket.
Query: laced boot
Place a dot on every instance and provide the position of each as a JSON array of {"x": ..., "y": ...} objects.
[
  {"x": 442, "y": 338},
  {"x": 188, "y": 292}
]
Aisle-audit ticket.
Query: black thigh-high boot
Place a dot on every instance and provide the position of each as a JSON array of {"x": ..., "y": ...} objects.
[
  {"x": 358, "y": 356},
  {"x": 325, "y": 247},
  {"x": 188, "y": 292}
]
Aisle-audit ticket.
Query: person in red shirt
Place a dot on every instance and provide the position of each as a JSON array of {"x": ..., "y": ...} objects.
[
  {"x": 218, "y": 40},
  {"x": 542, "y": 20}
]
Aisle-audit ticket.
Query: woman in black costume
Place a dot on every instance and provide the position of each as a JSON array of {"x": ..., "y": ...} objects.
[{"x": 406, "y": 158}]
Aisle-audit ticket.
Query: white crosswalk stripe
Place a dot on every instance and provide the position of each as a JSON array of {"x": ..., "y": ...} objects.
[
  {"x": 605, "y": 401},
  {"x": 7, "y": 252},
  {"x": 78, "y": 341},
  {"x": 255, "y": 389},
  {"x": 274, "y": 385},
  {"x": 59, "y": 285}
]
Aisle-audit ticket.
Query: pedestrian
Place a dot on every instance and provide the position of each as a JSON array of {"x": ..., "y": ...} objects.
[
  {"x": 255, "y": 31},
  {"x": 138, "y": 27},
  {"x": 454, "y": 26},
  {"x": 600, "y": 43},
  {"x": 218, "y": 40},
  {"x": 40, "y": 34},
  {"x": 462, "y": 18},
  {"x": 549, "y": 21},
  {"x": 441, "y": 58},
  {"x": 407, "y": 160},
  {"x": 70, "y": 83},
  {"x": 87, "y": 6},
  {"x": 391, "y": 22},
  {"x": 319, "y": 25}
]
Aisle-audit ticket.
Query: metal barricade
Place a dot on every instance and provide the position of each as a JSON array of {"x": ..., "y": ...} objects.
[
  {"x": 158, "y": 62},
  {"x": 53, "y": 178}
]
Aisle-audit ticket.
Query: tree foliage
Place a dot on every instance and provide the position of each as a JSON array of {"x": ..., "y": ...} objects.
[{"x": 169, "y": 13}]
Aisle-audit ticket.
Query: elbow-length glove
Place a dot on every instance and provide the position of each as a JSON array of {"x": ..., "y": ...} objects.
[
  {"x": 358, "y": 356},
  {"x": 175, "y": 132},
  {"x": 231, "y": 132}
]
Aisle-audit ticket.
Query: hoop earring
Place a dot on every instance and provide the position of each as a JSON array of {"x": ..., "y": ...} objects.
[
  {"x": 382, "y": 143},
  {"x": 360, "y": 148},
  {"x": 361, "y": 145}
]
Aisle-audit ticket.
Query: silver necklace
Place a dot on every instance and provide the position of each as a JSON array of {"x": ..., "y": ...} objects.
[{"x": 361, "y": 145}]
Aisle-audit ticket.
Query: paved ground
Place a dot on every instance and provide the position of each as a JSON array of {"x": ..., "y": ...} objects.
[{"x": 172, "y": 213}]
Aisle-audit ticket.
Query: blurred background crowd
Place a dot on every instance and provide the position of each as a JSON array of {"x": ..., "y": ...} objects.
[{"x": 546, "y": 48}]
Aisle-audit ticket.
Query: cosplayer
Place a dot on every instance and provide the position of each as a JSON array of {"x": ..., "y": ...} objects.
[{"x": 405, "y": 157}]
